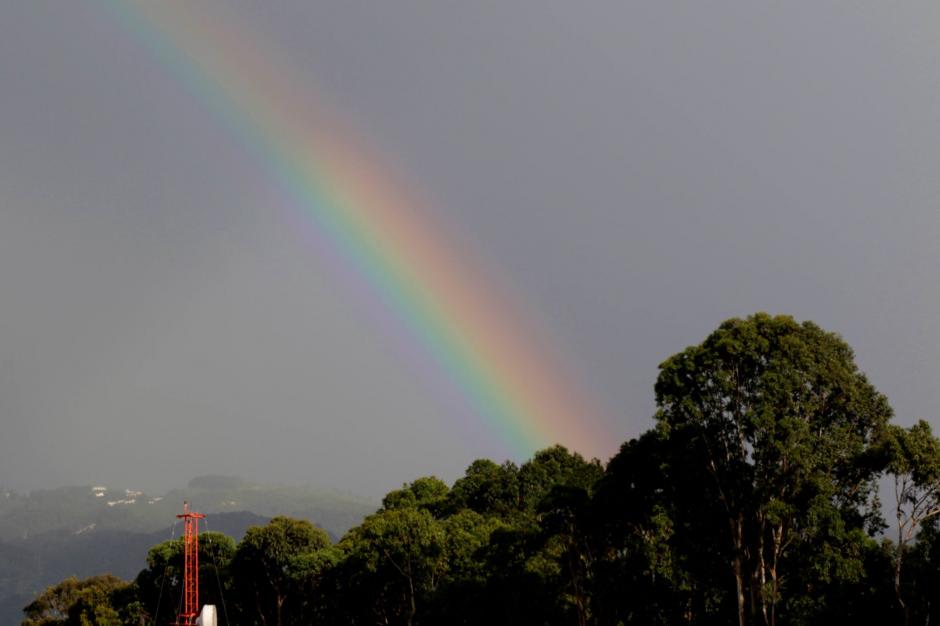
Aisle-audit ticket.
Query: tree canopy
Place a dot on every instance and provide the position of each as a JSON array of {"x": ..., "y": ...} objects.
[{"x": 752, "y": 500}]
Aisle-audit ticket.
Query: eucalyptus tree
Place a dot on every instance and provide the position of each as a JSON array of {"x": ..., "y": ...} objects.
[
  {"x": 654, "y": 527},
  {"x": 394, "y": 561},
  {"x": 74, "y": 601},
  {"x": 488, "y": 488},
  {"x": 273, "y": 566},
  {"x": 912, "y": 458},
  {"x": 556, "y": 485},
  {"x": 160, "y": 584},
  {"x": 428, "y": 492},
  {"x": 782, "y": 420}
]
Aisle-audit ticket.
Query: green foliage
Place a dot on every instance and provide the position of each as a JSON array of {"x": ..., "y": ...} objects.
[
  {"x": 160, "y": 584},
  {"x": 782, "y": 420},
  {"x": 275, "y": 564},
  {"x": 75, "y": 602},
  {"x": 428, "y": 493},
  {"x": 46, "y": 535},
  {"x": 912, "y": 457},
  {"x": 751, "y": 501},
  {"x": 404, "y": 548},
  {"x": 488, "y": 489},
  {"x": 553, "y": 468}
]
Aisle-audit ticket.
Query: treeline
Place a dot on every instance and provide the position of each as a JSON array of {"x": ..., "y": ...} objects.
[{"x": 753, "y": 500}]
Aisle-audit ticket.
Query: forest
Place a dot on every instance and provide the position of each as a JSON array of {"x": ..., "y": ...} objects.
[{"x": 773, "y": 488}]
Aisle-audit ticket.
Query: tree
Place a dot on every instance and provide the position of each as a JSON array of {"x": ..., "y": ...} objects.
[
  {"x": 654, "y": 522},
  {"x": 76, "y": 602},
  {"x": 403, "y": 552},
  {"x": 556, "y": 485},
  {"x": 160, "y": 584},
  {"x": 781, "y": 417},
  {"x": 308, "y": 570},
  {"x": 913, "y": 459},
  {"x": 428, "y": 493},
  {"x": 466, "y": 533},
  {"x": 552, "y": 468},
  {"x": 272, "y": 564},
  {"x": 487, "y": 488}
]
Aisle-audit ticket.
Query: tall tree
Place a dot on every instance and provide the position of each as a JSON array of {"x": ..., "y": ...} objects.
[
  {"x": 557, "y": 486},
  {"x": 487, "y": 488},
  {"x": 913, "y": 460},
  {"x": 273, "y": 563},
  {"x": 160, "y": 584},
  {"x": 552, "y": 468},
  {"x": 652, "y": 511},
  {"x": 428, "y": 493},
  {"x": 781, "y": 415},
  {"x": 401, "y": 555},
  {"x": 78, "y": 602}
]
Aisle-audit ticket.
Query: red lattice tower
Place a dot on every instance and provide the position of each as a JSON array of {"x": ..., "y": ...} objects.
[{"x": 190, "y": 566}]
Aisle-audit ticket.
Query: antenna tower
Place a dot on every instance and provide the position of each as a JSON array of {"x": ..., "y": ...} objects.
[{"x": 190, "y": 566}]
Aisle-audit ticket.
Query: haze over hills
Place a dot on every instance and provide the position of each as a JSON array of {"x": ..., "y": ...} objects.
[
  {"x": 48, "y": 535},
  {"x": 82, "y": 509}
]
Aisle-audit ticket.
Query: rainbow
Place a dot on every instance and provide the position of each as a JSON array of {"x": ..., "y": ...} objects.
[{"x": 508, "y": 377}]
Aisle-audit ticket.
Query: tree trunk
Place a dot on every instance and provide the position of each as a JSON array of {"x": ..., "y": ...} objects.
[
  {"x": 778, "y": 534},
  {"x": 280, "y": 605},
  {"x": 411, "y": 596},
  {"x": 739, "y": 582},
  {"x": 897, "y": 581},
  {"x": 259, "y": 608},
  {"x": 737, "y": 533},
  {"x": 761, "y": 578}
]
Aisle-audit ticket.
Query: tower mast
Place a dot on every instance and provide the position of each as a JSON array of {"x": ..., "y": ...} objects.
[{"x": 190, "y": 566}]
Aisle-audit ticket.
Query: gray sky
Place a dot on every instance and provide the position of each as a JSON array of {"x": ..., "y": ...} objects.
[{"x": 636, "y": 172}]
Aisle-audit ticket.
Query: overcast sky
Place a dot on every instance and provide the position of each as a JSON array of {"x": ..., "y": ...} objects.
[{"x": 636, "y": 172}]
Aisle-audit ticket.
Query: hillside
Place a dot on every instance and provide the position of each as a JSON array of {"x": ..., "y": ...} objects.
[
  {"x": 48, "y": 535},
  {"x": 87, "y": 508}
]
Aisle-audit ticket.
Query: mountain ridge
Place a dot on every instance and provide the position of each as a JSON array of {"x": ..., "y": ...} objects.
[{"x": 49, "y": 534}]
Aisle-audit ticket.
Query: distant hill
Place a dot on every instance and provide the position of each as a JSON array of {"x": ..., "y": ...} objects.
[
  {"x": 48, "y": 535},
  {"x": 79, "y": 509}
]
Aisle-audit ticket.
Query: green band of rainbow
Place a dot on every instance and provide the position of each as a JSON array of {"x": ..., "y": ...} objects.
[{"x": 505, "y": 374}]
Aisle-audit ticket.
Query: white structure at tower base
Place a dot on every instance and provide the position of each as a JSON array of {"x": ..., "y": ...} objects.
[{"x": 207, "y": 617}]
